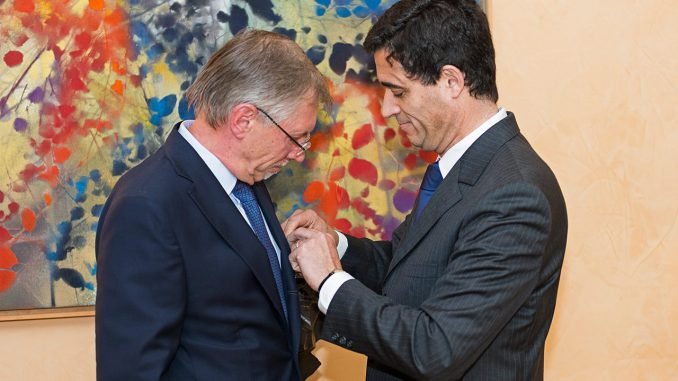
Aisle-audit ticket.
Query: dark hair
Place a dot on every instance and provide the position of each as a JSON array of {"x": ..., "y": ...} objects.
[{"x": 425, "y": 35}]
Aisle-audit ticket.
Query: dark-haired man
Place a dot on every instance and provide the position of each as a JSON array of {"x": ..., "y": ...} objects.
[{"x": 466, "y": 288}]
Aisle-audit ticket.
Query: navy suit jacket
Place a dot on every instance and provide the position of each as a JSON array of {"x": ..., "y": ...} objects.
[
  {"x": 467, "y": 290},
  {"x": 185, "y": 290}
]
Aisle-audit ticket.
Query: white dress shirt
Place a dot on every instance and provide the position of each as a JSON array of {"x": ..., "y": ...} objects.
[
  {"x": 223, "y": 175},
  {"x": 446, "y": 162}
]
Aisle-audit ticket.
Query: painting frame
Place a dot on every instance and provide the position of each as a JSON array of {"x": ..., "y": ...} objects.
[{"x": 46, "y": 313}]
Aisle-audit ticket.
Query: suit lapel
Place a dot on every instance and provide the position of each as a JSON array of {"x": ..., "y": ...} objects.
[
  {"x": 445, "y": 197},
  {"x": 467, "y": 171},
  {"x": 222, "y": 214}
]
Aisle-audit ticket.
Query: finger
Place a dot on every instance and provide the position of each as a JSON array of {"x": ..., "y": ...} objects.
[
  {"x": 292, "y": 222},
  {"x": 291, "y": 239},
  {"x": 293, "y": 262},
  {"x": 305, "y": 233}
]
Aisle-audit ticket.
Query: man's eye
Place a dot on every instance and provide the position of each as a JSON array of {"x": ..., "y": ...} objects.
[{"x": 398, "y": 94}]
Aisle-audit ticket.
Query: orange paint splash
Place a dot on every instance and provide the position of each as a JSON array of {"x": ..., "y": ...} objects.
[
  {"x": 7, "y": 261},
  {"x": 61, "y": 154},
  {"x": 117, "y": 86},
  {"x": 26, "y": 6},
  {"x": 314, "y": 191},
  {"x": 28, "y": 219},
  {"x": 97, "y": 5},
  {"x": 7, "y": 257}
]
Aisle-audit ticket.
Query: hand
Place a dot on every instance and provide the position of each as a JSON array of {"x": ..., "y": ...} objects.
[
  {"x": 306, "y": 219},
  {"x": 314, "y": 254}
]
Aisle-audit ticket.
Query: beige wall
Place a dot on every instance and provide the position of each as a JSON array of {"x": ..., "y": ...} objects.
[
  {"x": 593, "y": 84},
  {"x": 47, "y": 350}
]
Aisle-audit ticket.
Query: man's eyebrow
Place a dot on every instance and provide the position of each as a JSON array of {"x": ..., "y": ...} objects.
[{"x": 391, "y": 85}]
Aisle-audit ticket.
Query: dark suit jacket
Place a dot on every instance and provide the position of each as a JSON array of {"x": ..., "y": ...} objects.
[
  {"x": 467, "y": 291},
  {"x": 185, "y": 290}
]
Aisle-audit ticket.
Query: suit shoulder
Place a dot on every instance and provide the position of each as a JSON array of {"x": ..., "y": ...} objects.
[
  {"x": 154, "y": 177},
  {"x": 517, "y": 160}
]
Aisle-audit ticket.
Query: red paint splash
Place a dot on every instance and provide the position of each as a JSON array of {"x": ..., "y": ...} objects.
[
  {"x": 410, "y": 161},
  {"x": 362, "y": 207},
  {"x": 343, "y": 225},
  {"x": 428, "y": 156},
  {"x": 338, "y": 173},
  {"x": 338, "y": 129},
  {"x": 13, "y": 58},
  {"x": 18, "y": 39},
  {"x": 363, "y": 170},
  {"x": 4, "y": 235},
  {"x": 320, "y": 142},
  {"x": 362, "y": 136},
  {"x": 25, "y": 6},
  {"x": 389, "y": 134}
]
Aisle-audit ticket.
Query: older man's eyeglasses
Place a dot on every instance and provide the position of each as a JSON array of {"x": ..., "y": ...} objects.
[{"x": 303, "y": 146}]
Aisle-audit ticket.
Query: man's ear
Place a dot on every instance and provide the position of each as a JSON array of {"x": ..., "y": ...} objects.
[
  {"x": 241, "y": 119},
  {"x": 453, "y": 79}
]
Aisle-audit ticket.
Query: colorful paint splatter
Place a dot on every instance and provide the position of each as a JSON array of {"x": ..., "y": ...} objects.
[{"x": 89, "y": 88}]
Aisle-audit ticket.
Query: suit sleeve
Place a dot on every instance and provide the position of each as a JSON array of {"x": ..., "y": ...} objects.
[
  {"x": 141, "y": 292},
  {"x": 492, "y": 270},
  {"x": 368, "y": 260}
]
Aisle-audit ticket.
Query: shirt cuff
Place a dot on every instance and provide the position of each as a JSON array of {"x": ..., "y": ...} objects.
[
  {"x": 342, "y": 245},
  {"x": 330, "y": 288}
]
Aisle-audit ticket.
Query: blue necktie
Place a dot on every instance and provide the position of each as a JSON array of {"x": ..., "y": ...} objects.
[
  {"x": 249, "y": 203},
  {"x": 432, "y": 178}
]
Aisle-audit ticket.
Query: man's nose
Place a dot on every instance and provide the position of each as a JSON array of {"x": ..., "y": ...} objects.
[
  {"x": 389, "y": 106},
  {"x": 297, "y": 156}
]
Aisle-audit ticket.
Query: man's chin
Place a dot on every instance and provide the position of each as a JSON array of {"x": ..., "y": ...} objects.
[{"x": 274, "y": 170}]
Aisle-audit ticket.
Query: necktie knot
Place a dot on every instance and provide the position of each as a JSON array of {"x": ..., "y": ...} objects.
[
  {"x": 431, "y": 181},
  {"x": 244, "y": 192},
  {"x": 432, "y": 177}
]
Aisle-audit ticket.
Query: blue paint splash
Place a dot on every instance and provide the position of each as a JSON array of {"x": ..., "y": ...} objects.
[{"x": 161, "y": 108}]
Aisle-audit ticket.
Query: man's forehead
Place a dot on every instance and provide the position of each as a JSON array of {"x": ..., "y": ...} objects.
[{"x": 390, "y": 72}]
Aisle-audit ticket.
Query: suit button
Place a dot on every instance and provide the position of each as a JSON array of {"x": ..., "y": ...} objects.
[
  {"x": 334, "y": 337},
  {"x": 349, "y": 344},
  {"x": 342, "y": 340}
]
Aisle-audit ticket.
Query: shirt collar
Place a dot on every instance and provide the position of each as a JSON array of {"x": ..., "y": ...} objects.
[
  {"x": 223, "y": 175},
  {"x": 452, "y": 156}
]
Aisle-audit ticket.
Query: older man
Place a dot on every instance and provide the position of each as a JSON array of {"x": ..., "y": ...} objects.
[{"x": 191, "y": 285}]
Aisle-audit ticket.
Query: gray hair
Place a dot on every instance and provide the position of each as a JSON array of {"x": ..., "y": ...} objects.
[{"x": 263, "y": 68}]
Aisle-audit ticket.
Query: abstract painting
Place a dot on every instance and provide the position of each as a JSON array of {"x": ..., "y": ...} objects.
[{"x": 90, "y": 88}]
